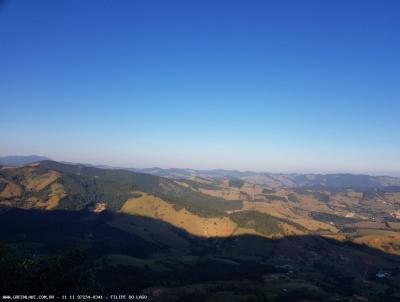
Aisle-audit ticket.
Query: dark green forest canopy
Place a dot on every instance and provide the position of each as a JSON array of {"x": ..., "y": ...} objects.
[{"x": 88, "y": 184}]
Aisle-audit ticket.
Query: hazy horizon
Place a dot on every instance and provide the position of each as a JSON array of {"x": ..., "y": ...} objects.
[
  {"x": 138, "y": 166},
  {"x": 206, "y": 85}
]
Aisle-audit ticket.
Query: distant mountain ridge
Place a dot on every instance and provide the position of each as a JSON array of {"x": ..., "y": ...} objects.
[
  {"x": 338, "y": 180},
  {"x": 273, "y": 180},
  {"x": 19, "y": 160}
]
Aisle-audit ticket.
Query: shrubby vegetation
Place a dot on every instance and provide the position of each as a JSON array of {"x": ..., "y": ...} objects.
[
  {"x": 261, "y": 222},
  {"x": 198, "y": 203},
  {"x": 320, "y": 196},
  {"x": 267, "y": 191},
  {"x": 272, "y": 197},
  {"x": 200, "y": 185},
  {"x": 339, "y": 220},
  {"x": 293, "y": 198},
  {"x": 236, "y": 182},
  {"x": 2, "y": 185}
]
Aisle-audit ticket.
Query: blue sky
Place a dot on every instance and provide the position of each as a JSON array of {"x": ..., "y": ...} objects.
[{"x": 289, "y": 86}]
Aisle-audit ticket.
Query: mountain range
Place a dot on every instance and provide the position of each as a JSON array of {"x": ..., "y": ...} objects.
[
  {"x": 341, "y": 180},
  {"x": 274, "y": 180},
  {"x": 17, "y": 160},
  {"x": 73, "y": 227}
]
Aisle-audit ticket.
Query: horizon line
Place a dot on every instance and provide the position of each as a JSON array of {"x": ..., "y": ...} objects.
[{"x": 128, "y": 167}]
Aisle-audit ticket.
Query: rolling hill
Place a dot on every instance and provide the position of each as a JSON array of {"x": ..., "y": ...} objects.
[
  {"x": 224, "y": 238},
  {"x": 342, "y": 180}
]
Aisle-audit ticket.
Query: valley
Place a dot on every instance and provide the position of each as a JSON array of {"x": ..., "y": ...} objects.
[{"x": 225, "y": 235}]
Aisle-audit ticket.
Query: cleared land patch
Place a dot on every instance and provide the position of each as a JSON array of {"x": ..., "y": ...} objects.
[{"x": 39, "y": 182}]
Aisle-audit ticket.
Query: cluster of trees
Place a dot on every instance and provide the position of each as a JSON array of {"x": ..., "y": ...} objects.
[
  {"x": 200, "y": 204},
  {"x": 262, "y": 222},
  {"x": 64, "y": 272},
  {"x": 200, "y": 185},
  {"x": 338, "y": 220},
  {"x": 83, "y": 191},
  {"x": 236, "y": 182},
  {"x": 272, "y": 197}
]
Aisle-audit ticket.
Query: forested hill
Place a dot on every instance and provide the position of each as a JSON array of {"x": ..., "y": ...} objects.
[{"x": 54, "y": 185}]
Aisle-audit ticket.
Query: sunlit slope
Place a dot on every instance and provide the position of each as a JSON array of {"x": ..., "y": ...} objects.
[
  {"x": 79, "y": 186},
  {"x": 369, "y": 216},
  {"x": 31, "y": 187},
  {"x": 154, "y": 207},
  {"x": 208, "y": 207}
]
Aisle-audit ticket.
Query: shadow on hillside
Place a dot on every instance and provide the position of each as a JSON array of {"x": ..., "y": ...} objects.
[{"x": 124, "y": 253}]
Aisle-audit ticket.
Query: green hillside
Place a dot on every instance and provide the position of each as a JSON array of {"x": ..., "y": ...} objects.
[{"x": 85, "y": 186}]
